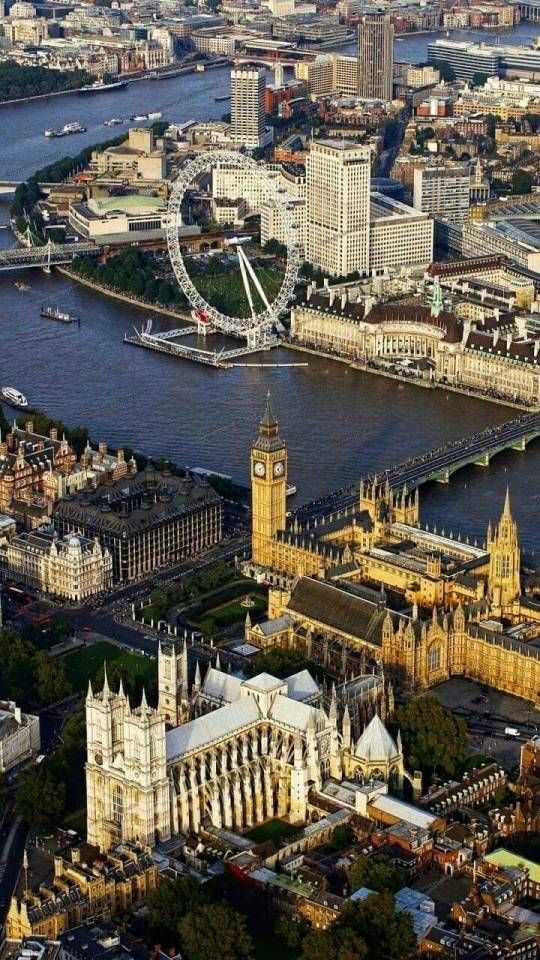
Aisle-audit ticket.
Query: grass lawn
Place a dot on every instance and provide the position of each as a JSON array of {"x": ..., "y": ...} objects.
[
  {"x": 228, "y": 596},
  {"x": 274, "y": 830},
  {"x": 226, "y": 291},
  {"x": 229, "y": 613},
  {"x": 85, "y": 664}
]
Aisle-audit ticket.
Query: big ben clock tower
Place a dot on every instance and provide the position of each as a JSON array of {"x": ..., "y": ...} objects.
[{"x": 268, "y": 487}]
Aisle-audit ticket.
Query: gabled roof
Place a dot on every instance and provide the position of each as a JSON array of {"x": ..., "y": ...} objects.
[
  {"x": 337, "y": 608},
  {"x": 291, "y": 713},
  {"x": 264, "y": 681},
  {"x": 212, "y": 727},
  {"x": 302, "y": 686},
  {"x": 221, "y": 686},
  {"x": 375, "y": 744}
]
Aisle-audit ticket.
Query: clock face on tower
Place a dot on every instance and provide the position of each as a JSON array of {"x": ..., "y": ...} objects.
[
  {"x": 259, "y": 468},
  {"x": 279, "y": 468}
]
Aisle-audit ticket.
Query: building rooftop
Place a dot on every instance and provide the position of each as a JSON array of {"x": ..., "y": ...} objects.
[
  {"x": 506, "y": 859},
  {"x": 136, "y": 503},
  {"x": 375, "y": 743}
]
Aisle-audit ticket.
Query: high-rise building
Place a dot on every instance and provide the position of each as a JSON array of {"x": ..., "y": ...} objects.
[
  {"x": 247, "y": 106},
  {"x": 443, "y": 192},
  {"x": 375, "y": 56},
  {"x": 338, "y": 204}
]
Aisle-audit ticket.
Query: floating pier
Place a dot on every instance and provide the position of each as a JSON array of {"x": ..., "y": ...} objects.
[{"x": 167, "y": 342}]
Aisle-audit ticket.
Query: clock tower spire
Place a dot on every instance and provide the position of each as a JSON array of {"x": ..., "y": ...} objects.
[{"x": 268, "y": 486}]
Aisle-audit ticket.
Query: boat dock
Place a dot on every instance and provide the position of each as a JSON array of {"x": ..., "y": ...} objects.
[
  {"x": 263, "y": 365},
  {"x": 166, "y": 342}
]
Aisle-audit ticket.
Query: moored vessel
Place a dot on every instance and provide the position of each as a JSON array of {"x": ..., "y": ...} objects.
[
  {"x": 66, "y": 130},
  {"x": 53, "y": 313},
  {"x": 100, "y": 87}
]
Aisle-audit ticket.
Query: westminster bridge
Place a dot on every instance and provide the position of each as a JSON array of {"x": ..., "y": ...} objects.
[{"x": 437, "y": 465}]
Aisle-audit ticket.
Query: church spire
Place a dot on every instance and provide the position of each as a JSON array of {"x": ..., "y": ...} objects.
[
  {"x": 507, "y": 511},
  {"x": 106, "y": 688}
]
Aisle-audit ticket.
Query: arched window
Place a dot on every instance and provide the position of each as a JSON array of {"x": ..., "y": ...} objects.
[
  {"x": 117, "y": 805},
  {"x": 434, "y": 657}
]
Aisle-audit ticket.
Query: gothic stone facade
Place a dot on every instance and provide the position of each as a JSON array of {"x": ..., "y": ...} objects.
[
  {"x": 329, "y": 570},
  {"x": 257, "y": 752}
]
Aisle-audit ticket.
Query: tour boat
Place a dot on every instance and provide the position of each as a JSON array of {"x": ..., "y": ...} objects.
[
  {"x": 72, "y": 128},
  {"x": 66, "y": 130},
  {"x": 291, "y": 490},
  {"x": 155, "y": 116},
  {"x": 113, "y": 122},
  {"x": 100, "y": 87},
  {"x": 223, "y": 96},
  {"x": 14, "y": 397}
]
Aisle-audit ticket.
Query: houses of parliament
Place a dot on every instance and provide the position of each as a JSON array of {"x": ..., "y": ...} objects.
[
  {"x": 380, "y": 603},
  {"x": 371, "y": 582}
]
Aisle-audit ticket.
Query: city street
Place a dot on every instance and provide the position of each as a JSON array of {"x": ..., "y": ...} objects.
[{"x": 486, "y": 721}]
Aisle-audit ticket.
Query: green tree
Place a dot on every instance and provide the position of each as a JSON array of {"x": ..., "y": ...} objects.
[
  {"x": 377, "y": 873},
  {"x": 215, "y": 932},
  {"x": 479, "y": 79},
  {"x": 342, "y": 836},
  {"x": 434, "y": 739},
  {"x": 446, "y": 71},
  {"x": 491, "y": 124},
  {"x": 386, "y": 932},
  {"x": 40, "y": 800},
  {"x": 169, "y": 903},
  {"x": 522, "y": 182},
  {"x": 275, "y": 248},
  {"x": 290, "y": 932},
  {"x": 279, "y": 662},
  {"x": 334, "y": 944},
  {"x": 50, "y": 680}
]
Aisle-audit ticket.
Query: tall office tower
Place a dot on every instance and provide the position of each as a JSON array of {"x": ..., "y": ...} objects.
[
  {"x": 375, "y": 56},
  {"x": 443, "y": 192},
  {"x": 247, "y": 106},
  {"x": 338, "y": 205}
]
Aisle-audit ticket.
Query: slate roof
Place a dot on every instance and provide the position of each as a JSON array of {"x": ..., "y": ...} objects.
[
  {"x": 375, "y": 744},
  {"x": 338, "y": 609},
  {"x": 212, "y": 727},
  {"x": 221, "y": 686},
  {"x": 136, "y": 503},
  {"x": 302, "y": 686}
]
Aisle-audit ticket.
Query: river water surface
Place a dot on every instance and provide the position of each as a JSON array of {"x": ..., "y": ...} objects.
[{"x": 338, "y": 423}]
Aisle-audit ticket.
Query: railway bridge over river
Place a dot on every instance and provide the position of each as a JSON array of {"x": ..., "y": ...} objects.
[{"x": 47, "y": 256}]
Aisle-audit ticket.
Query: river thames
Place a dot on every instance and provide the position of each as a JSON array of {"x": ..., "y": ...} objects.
[{"x": 338, "y": 423}]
